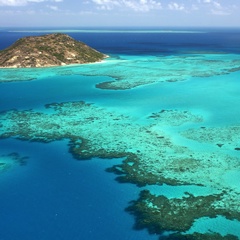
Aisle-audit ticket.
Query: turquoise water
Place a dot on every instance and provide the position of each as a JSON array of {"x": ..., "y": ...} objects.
[
  {"x": 217, "y": 96},
  {"x": 54, "y": 196}
]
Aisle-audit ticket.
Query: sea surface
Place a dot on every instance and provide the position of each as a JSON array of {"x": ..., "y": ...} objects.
[{"x": 56, "y": 197}]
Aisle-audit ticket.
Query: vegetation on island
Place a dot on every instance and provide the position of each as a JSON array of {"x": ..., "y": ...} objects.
[{"x": 48, "y": 50}]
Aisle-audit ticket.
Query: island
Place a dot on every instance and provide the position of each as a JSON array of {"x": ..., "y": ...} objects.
[{"x": 56, "y": 49}]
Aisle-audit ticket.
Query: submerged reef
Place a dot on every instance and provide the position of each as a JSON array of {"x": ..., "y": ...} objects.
[
  {"x": 226, "y": 138},
  {"x": 158, "y": 213},
  {"x": 152, "y": 156},
  {"x": 175, "y": 117},
  {"x": 157, "y": 69},
  {"x": 128, "y": 72},
  {"x": 199, "y": 236},
  {"x": 8, "y": 161}
]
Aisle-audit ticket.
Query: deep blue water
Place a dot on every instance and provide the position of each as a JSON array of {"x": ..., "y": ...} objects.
[
  {"x": 56, "y": 197},
  {"x": 220, "y": 39}
]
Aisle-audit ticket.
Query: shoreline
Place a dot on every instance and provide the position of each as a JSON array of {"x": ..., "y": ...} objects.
[{"x": 63, "y": 65}]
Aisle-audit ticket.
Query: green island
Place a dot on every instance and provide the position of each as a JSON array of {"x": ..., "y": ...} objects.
[
  {"x": 150, "y": 157},
  {"x": 49, "y": 50}
]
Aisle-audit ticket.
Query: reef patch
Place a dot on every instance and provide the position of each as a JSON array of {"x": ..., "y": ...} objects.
[
  {"x": 8, "y": 161},
  {"x": 158, "y": 213},
  {"x": 227, "y": 137}
]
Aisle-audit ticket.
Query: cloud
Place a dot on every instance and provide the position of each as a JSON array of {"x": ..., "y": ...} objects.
[
  {"x": 13, "y": 2},
  {"x": 176, "y": 6},
  {"x": 16, "y": 3},
  {"x": 142, "y": 5},
  {"x": 54, "y": 8},
  {"x": 214, "y": 7},
  {"x": 218, "y": 9},
  {"x": 217, "y": 5},
  {"x": 105, "y": 4},
  {"x": 204, "y": 1},
  {"x": 17, "y": 12},
  {"x": 36, "y": 1},
  {"x": 135, "y": 5}
]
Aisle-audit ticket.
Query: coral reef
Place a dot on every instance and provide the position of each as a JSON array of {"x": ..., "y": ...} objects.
[
  {"x": 199, "y": 236},
  {"x": 129, "y": 72},
  {"x": 151, "y": 157},
  {"x": 223, "y": 137},
  {"x": 158, "y": 213},
  {"x": 8, "y": 161}
]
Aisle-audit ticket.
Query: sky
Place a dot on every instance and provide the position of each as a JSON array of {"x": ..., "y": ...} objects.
[{"x": 105, "y": 13}]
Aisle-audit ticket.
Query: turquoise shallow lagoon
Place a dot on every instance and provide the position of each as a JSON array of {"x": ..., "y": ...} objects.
[{"x": 162, "y": 113}]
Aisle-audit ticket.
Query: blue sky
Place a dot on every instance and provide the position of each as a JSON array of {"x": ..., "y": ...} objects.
[{"x": 23, "y": 13}]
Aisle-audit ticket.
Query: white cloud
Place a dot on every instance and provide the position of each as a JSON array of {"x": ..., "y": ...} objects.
[
  {"x": 17, "y": 12},
  {"x": 105, "y": 4},
  {"x": 142, "y": 5},
  {"x": 16, "y": 3},
  {"x": 217, "y": 5},
  {"x": 54, "y": 8},
  {"x": 176, "y": 6},
  {"x": 13, "y": 2},
  {"x": 135, "y": 5},
  {"x": 204, "y": 1},
  {"x": 214, "y": 7},
  {"x": 36, "y": 1},
  {"x": 218, "y": 9}
]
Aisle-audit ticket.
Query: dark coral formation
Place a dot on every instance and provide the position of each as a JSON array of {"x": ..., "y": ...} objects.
[
  {"x": 159, "y": 214},
  {"x": 223, "y": 137},
  {"x": 18, "y": 159},
  {"x": 199, "y": 236},
  {"x": 6, "y": 161},
  {"x": 175, "y": 117},
  {"x": 130, "y": 171}
]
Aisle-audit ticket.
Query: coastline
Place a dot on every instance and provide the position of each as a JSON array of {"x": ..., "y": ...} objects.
[{"x": 55, "y": 66}]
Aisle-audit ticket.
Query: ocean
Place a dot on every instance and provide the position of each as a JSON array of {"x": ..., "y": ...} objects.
[{"x": 178, "y": 84}]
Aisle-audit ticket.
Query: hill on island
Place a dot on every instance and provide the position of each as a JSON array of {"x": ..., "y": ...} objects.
[{"x": 48, "y": 50}]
